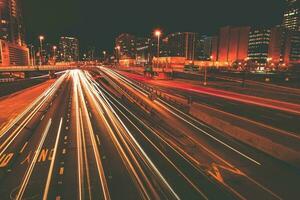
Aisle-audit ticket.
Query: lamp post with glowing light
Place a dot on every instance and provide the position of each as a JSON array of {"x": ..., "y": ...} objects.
[
  {"x": 54, "y": 53},
  {"x": 104, "y": 54},
  {"x": 157, "y": 33},
  {"x": 268, "y": 62},
  {"x": 31, "y": 54},
  {"x": 118, "y": 53},
  {"x": 41, "y": 38},
  {"x": 245, "y": 71}
]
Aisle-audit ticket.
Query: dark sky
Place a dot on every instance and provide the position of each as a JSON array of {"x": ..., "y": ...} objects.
[{"x": 98, "y": 22}]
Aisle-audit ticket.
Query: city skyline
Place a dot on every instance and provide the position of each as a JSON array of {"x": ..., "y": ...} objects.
[
  {"x": 77, "y": 18},
  {"x": 132, "y": 100}
]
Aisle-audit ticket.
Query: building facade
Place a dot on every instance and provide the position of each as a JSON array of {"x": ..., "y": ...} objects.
[
  {"x": 13, "y": 54},
  {"x": 291, "y": 24},
  {"x": 292, "y": 48},
  {"x": 182, "y": 44},
  {"x": 13, "y": 50},
  {"x": 233, "y": 44},
  {"x": 143, "y": 50},
  {"x": 125, "y": 46},
  {"x": 258, "y": 47},
  {"x": 69, "y": 49},
  {"x": 11, "y": 25},
  {"x": 278, "y": 44},
  {"x": 291, "y": 17}
]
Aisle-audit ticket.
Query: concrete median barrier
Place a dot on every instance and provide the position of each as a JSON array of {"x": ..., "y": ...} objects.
[{"x": 266, "y": 145}]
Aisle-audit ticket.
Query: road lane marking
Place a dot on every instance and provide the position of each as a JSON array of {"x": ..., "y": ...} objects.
[
  {"x": 64, "y": 151},
  {"x": 46, "y": 190},
  {"x": 4, "y": 160},
  {"x": 43, "y": 155},
  {"x": 31, "y": 166},
  {"x": 98, "y": 140},
  {"x": 24, "y": 146},
  {"x": 61, "y": 171}
]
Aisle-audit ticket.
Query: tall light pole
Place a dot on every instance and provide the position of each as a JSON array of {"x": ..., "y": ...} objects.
[
  {"x": 118, "y": 53},
  {"x": 157, "y": 33},
  {"x": 54, "y": 53},
  {"x": 245, "y": 71},
  {"x": 41, "y": 38},
  {"x": 104, "y": 54},
  {"x": 268, "y": 62},
  {"x": 31, "y": 54},
  {"x": 205, "y": 71}
]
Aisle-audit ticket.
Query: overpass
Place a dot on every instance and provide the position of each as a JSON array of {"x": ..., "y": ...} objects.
[{"x": 37, "y": 68}]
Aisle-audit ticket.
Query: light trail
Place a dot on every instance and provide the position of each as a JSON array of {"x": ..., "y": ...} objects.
[
  {"x": 11, "y": 138},
  {"x": 155, "y": 147},
  {"x": 28, "y": 173},
  {"x": 119, "y": 147},
  {"x": 101, "y": 172},
  {"x": 78, "y": 84},
  {"x": 31, "y": 106},
  {"x": 48, "y": 182},
  {"x": 162, "y": 102},
  {"x": 138, "y": 149}
]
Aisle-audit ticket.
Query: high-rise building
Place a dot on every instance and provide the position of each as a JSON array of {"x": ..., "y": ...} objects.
[
  {"x": 11, "y": 25},
  {"x": 69, "y": 49},
  {"x": 292, "y": 48},
  {"x": 13, "y": 54},
  {"x": 291, "y": 23},
  {"x": 277, "y": 46},
  {"x": 233, "y": 44},
  {"x": 205, "y": 45},
  {"x": 143, "y": 50},
  {"x": 258, "y": 47},
  {"x": 126, "y": 46},
  {"x": 181, "y": 44},
  {"x": 13, "y": 50},
  {"x": 291, "y": 17}
]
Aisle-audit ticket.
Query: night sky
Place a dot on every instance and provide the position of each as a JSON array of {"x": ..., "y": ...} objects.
[{"x": 97, "y": 22}]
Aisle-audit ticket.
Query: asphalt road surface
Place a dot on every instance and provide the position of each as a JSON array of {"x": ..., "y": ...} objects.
[{"x": 84, "y": 139}]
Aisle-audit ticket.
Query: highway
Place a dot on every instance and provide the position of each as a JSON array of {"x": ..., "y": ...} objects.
[
  {"x": 280, "y": 119},
  {"x": 226, "y": 153},
  {"x": 95, "y": 134}
]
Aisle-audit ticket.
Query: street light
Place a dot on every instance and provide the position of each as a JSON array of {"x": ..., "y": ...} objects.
[
  {"x": 118, "y": 53},
  {"x": 205, "y": 71},
  {"x": 54, "y": 53},
  {"x": 268, "y": 63},
  {"x": 104, "y": 53},
  {"x": 31, "y": 54},
  {"x": 245, "y": 70},
  {"x": 157, "y": 33},
  {"x": 41, "y": 38}
]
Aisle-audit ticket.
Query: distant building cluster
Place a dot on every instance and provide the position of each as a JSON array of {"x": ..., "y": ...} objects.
[
  {"x": 68, "y": 49},
  {"x": 13, "y": 50},
  {"x": 275, "y": 47}
]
